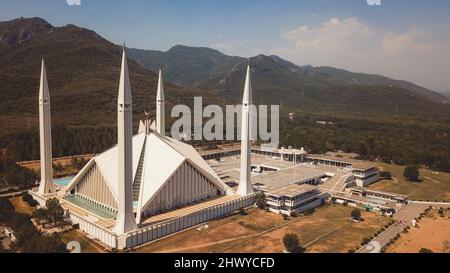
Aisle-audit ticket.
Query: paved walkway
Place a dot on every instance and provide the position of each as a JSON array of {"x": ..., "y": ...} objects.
[
  {"x": 403, "y": 219},
  {"x": 188, "y": 210},
  {"x": 11, "y": 194}
]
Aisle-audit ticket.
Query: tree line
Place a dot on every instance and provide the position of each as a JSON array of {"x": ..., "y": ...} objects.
[
  {"x": 388, "y": 140},
  {"x": 392, "y": 140}
]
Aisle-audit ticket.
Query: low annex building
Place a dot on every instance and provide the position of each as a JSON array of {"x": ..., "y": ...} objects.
[{"x": 295, "y": 198}]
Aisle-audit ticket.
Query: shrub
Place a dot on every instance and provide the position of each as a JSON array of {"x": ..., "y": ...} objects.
[
  {"x": 411, "y": 173},
  {"x": 356, "y": 214},
  {"x": 385, "y": 175},
  {"x": 291, "y": 243},
  {"x": 261, "y": 200},
  {"x": 425, "y": 250},
  {"x": 26, "y": 197}
]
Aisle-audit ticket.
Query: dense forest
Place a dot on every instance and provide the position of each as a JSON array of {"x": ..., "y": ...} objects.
[
  {"x": 399, "y": 140},
  {"x": 24, "y": 145},
  {"x": 391, "y": 139}
]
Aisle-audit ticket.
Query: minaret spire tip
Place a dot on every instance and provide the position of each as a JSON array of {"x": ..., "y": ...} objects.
[{"x": 160, "y": 106}]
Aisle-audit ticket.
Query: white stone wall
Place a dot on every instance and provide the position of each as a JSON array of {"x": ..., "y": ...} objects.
[
  {"x": 105, "y": 236},
  {"x": 159, "y": 230},
  {"x": 156, "y": 231}
]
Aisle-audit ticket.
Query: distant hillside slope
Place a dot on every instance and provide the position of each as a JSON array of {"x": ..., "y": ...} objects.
[
  {"x": 83, "y": 73},
  {"x": 275, "y": 78},
  {"x": 186, "y": 65}
]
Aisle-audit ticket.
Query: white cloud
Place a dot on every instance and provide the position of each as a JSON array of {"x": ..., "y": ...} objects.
[
  {"x": 73, "y": 2},
  {"x": 352, "y": 44},
  {"x": 229, "y": 47},
  {"x": 333, "y": 35}
]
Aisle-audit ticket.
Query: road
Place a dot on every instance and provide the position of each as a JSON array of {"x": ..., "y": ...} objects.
[
  {"x": 11, "y": 194},
  {"x": 403, "y": 219}
]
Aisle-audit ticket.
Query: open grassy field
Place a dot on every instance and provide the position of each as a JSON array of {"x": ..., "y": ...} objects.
[
  {"x": 432, "y": 232},
  {"x": 21, "y": 206},
  {"x": 327, "y": 230},
  {"x": 435, "y": 186},
  {"x": 87, "y": 245},
  {"x": 35, "y": 165}
]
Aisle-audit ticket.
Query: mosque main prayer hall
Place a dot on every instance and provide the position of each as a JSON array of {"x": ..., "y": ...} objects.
[{"x": 147, "y": 186}]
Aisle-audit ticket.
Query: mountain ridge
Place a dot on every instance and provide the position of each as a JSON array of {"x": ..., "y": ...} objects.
[
  {"x": 83, "y": 68},
  {"x": 83, "y": 74},
  {"x": 194, "y": 60}
]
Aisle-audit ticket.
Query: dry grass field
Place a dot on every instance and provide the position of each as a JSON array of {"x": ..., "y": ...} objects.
[
  {"x": 35, "y": 164},
  {"x": 21, "y": 206},
  {"x": 87, "y": 245},
  {"x": 435, "y": 186},
  {"x": 327, "y": 230},
  {"x": 432, "y": 232}
]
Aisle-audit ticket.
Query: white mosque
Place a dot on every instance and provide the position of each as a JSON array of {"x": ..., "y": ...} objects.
[{"x": 148, "y": 185}]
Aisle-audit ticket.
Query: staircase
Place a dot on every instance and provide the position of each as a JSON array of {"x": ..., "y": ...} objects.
[
  {"x": 138, "y": 177},
  {"x": 330, "y": 183},
  {"x": 337, "y": 182}
]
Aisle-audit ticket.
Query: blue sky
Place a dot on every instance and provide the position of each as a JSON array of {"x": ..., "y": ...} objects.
[{"x": 405, "y": 39}]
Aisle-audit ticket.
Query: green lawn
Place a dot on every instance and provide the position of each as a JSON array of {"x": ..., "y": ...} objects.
[{"x": 435, "y": 186}]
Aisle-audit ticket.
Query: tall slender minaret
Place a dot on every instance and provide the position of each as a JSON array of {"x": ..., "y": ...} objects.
[
  {"x": 160, "y": 107},
  {"x": 125, "y": 219},
  {"x": 245, "y": 184},
  {"x": 45, "y": 135}
]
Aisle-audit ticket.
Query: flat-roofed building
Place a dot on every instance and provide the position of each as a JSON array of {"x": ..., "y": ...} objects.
[
  {"x": 365, "y": 172},
  {"x": 399, "y": 198},
  {"x": 298, "y": 174},
  {"x": 295, "y": 198}
]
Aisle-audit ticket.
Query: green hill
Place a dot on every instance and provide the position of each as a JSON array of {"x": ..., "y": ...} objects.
[
  {"x": 186, "y": 65},
  {"x": 274, "y": 78},
  {"x": 83, "y": 74}
]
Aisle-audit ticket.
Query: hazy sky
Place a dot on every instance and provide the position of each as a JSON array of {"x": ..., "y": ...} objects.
[{"x": 403, "y": 39}]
